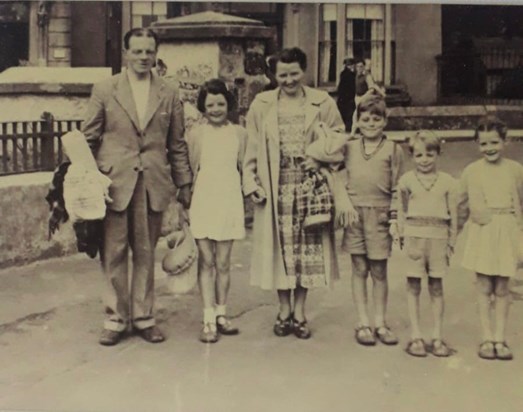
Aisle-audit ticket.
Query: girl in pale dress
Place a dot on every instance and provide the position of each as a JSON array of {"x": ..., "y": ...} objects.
[
  {"x": 492, "y": 194},
  {"x": 217, "y": 216}
]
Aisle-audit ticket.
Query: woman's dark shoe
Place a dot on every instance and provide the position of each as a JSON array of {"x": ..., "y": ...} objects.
[
  {"x": 301, "y": 329},
  {"x": 225, "y": 326},
  {"x": 283, "y": 327}
]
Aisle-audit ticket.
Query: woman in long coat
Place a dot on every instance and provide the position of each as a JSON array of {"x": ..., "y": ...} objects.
[{"x": 281, "y": 124}]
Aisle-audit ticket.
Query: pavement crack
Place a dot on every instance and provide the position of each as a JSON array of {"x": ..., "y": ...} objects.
[
  {"x": 32, "y": 317},
  {"x": 244, "y": 312}
]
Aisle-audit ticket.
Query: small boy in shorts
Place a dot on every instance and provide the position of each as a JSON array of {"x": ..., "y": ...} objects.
[
  {"x": 427, "y": 219},
  {"x": 374, "y": 166}
]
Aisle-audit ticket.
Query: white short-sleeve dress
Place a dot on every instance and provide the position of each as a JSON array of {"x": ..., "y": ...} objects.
[{"x": 217, "y": 211}]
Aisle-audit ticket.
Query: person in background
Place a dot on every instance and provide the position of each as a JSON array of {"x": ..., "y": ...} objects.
[
  {"x": 365, "y": 86},
  {"x": 347, "y": 92},
  {"x": 134, "y": 126}
]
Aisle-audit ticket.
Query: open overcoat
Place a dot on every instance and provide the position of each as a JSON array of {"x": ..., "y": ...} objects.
[{"x": 261, "y": 168}]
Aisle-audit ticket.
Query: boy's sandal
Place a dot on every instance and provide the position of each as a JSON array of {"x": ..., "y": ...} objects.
[
  {"x": 283, "y": 327},
  {"x": 416, "y": 347},
  {"x": 301, "y": 329},
  {"x": 440, "y": 348},
  {"x": 502, "y": 351},
  {"x": 386, "y": 336},
  {"x": 364, "y": 336},
  {"x": 486, "y": 350},
  {"x": 225, "y": 326},
  {"x": 209, "y": 333}
]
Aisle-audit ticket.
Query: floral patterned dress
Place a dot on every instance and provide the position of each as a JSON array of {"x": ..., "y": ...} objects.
[{"x": 302, "y": 249}]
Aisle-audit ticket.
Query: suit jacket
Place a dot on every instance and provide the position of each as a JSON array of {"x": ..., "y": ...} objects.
[
  {"x": 123, "y": 149},
  {"x": 346, "y": 88}
]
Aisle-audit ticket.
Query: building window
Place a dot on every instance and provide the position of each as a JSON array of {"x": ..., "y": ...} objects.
[
  {"x": 363, "y": 34},
  {"x": 328, "y": 44}
]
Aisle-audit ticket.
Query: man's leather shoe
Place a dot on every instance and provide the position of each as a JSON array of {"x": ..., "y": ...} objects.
[
  {"x": 151, "y": 334},
  {"x": 110, "y": 337}
]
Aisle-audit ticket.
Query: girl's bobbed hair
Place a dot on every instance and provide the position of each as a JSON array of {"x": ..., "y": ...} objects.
[
  {"x": 491, "y": 123},
  {"x": 215, "y": 86},
  {"x": 427, "y": 138}
]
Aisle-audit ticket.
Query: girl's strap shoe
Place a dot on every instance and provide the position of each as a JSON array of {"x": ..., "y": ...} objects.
[
  {"x": 209, "y": 333},
  {"x": 225, "y": 326},
  {"x": 439, "y": 348}
]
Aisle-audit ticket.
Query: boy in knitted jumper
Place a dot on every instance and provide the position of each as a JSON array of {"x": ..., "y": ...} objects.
[{"x": 374, "y": 166}]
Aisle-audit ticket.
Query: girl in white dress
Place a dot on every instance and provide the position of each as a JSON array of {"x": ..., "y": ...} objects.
[
  {"x": 491, "y": 200},
  {"x": 217, "y": 217}
]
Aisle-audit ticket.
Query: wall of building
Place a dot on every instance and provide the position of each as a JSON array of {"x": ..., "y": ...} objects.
[
  {"x": 143, "y": 13},
  {"x": 24, "y": 225},
  {"x": 301, "y": 30},
  {"x": 59, "y": 35},
  {"x": 418, "y": 42}
]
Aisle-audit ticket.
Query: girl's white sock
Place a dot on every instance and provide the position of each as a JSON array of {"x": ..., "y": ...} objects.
[
  {"x": 209, "y": 315},
  {"x": 221, "y": 310}
]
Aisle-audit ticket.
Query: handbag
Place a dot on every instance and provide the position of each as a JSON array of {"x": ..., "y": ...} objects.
[{"x": 315, "y": 201}]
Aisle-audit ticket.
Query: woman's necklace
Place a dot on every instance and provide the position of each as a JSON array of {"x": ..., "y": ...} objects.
[{"x": 427, "y": 183}]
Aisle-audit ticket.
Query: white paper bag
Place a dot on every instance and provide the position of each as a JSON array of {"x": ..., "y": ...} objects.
[{"x": 84, "y": 193}]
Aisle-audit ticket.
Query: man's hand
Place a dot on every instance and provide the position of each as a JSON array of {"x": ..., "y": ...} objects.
[
  {"x": 258, "y": 197},
  {"x": 184, "y": 196}
]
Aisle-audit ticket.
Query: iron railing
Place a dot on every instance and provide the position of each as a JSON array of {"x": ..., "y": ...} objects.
[
  {"x": 485, "y": 75},
  {"x": 33, "y": 146}
]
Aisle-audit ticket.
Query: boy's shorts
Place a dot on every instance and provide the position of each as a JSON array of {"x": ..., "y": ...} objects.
[
  {"x": 426, "y": 257},
  {"x": 370, "y": 236}
]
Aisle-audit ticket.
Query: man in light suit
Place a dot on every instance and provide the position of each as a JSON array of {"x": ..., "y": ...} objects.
[{"x": 134, "y": 126}]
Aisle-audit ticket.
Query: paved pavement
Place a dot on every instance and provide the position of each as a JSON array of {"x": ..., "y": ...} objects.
[{"x": 51, "y": 315}]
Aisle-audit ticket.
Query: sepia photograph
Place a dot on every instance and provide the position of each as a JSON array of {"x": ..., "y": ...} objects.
[{"x": 261, "y": 206}]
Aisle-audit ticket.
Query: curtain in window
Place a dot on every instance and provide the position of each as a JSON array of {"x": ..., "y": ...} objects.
[
  {"x": 377, "y": 49},
  {"x": 328, "y": 44}
]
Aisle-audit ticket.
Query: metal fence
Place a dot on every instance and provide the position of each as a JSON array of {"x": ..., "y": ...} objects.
[
  {"x": 486, "y": 75},
  {"x": 33, "y": 146}
]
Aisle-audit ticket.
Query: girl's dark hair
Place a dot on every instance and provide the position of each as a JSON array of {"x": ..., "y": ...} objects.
[
  {"x": 215, "y": 86},
  {"x": 291, "y": 55},
  {"x": 490, "y": 123}
]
